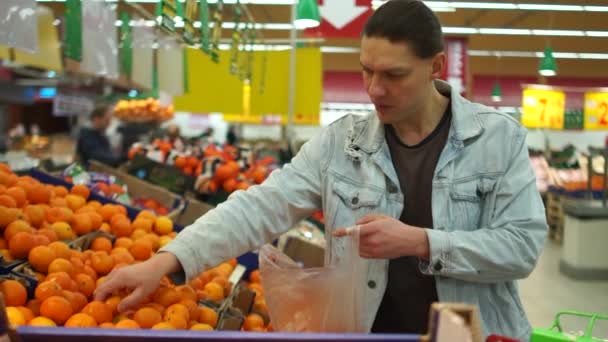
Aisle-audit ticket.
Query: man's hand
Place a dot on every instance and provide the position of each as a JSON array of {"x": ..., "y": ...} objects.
[{"x": 383, "y": 237}]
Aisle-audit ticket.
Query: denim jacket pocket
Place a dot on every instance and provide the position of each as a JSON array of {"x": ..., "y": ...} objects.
[
  {"x": 355, "y": 196},
  {"x": 468, "y": 199}
]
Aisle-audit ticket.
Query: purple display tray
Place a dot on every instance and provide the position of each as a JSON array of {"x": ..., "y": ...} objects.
[{"x": 42, "y": 334}]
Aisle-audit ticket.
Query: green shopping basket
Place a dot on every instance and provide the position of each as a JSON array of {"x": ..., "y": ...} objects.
[{"x": 556, "y": 332}]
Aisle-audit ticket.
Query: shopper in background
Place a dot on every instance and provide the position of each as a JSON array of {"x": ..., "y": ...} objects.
[
  {"x": 441, "y": 188},
  {"x": 231, "y": 136},
  {"x": 93, "y": 142}
]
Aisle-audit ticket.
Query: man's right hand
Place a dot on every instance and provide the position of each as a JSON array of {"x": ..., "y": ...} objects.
[{"x": 141, "y": 279}]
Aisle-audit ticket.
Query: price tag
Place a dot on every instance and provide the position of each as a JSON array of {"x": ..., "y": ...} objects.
[
  {"x": 596, "y": 110},
  {"x": 543, "y": 108}
]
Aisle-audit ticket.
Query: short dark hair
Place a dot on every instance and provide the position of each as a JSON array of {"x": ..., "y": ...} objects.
[
  {"x": 99, "y": 111},
  {"x": 409, "y": 21}
]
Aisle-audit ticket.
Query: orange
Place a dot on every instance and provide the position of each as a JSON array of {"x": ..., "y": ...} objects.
[
  {"x": 81, "y": 224},
  {"x": 80, "y": 190},
  {"x": 8, "y": 215},
  {"x": 7, "y": 201},
  {"x": 186, "y": 292},
  {"x": 77, "y": 263},
  {"x": 40, "y": 277},
  {"x": 164, "y": 240},
  {"x": 137, "y": 234},
  {"x": 177, "y": 321},
  {"x": 224, "y": 269},
  {"x": 48, "y": 289},
  {"x": 144, "y": 224},
  {"x": 86, "y": 284},
  {"x": 201, "y": 327},
  {"x": 60, "y": 191},
  {"x": 105, "y": 228},
  {"x": 208, "y": 316},
  {"x": 257, "y": 288},
  {"x": 59, "y": 214},
  {"x": 15, "y": 317},
  {"x": 38, "y": 194},
  {"x": 18, "y": 194},
  {"x": 147, "y": 317},
  {"x": 127, "y": 324},
  {"x": 214, "y": 292},
  {"x": 75, "y": 202},
  {"x": 147, "y": 214},
  {"x": 102, "y": 263},
  {"x": 156, "y": 307},
  {"x": 121, "y": 226},
  {"x": 107, "y": 325},
  {"x": 41, "y": 322},
  {"x": 58, "y": 202},
  {"x": 27, "y": 313},
  {"x": 123, "y": 242},
  {"x": 154, "y": 240},
  {"x": 96, "y": 220},
  {"x": 63, "y": 231},
  {"x": 113, "y": 302},
  {"x": 193, "y": 310},
  {"x": 254, "y": 277},
  {"x": 163, "y": 225},
  {"x": 253, "y": 321},
  {"x": 56, "y": 308},
  {"x": 81, "y": 320},
  {"x": 101, "y": 244},
  {"x": 21, "y": 244},
  {"x": 40, "y": 240},
  {"x": 107, "y": 211},
  {"x": 16, "y": 227},
  {"x": 141, "y": 250},
  {"x": 61, "y": 265},
  {"x": 41, "y": 257},
  {"x": 166, "y": 296},
  {"x": 34, "y": 306},
  {"x": 3, "y": 244},
  {"x": 122, "y": 258},
  {"x": 62, "y": 278},
  {"x": 260, "y": 306},
  {"x": 61, "y": 249},
  {"x": 76, "y": 299},
  {"x": 177, "y": 309},
  {"x": 88, "y": 270},
  {"x": 163, "y": 326},
  {"x": 100, "y": 311},
  {"x": 5, "y": 168},
  {"x": 50, "y": 234}
]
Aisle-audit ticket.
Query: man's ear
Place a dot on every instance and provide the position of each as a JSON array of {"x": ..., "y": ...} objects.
[{"x": 438, "y": 65}]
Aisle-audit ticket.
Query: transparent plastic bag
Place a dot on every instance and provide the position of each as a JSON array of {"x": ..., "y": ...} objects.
[
  {"x": 19, "y": 24},
  {"x": 320, "y": 299}
]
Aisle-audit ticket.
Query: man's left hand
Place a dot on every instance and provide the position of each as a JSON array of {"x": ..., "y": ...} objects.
[{"x": 384, "y": 237}]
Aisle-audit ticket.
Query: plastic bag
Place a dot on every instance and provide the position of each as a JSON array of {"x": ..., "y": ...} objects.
[{"x": 321, "y": 299}]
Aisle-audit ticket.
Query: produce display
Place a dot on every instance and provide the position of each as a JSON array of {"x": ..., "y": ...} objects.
[
  {"x": 148, "y": 110},
  {"x": 70, "y": 244},
  {"x": 215, "y": 169}
]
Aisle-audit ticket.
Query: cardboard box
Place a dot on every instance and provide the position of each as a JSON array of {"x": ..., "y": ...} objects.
[
  {"x": 141, "y": 189},
  {"x": 192, "y": 211},
  {"x": 448, "y": 320},
  {"x": 304, "y": 252}
]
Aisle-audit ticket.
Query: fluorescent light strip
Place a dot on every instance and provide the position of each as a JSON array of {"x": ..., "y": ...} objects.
[
  {"x": 537, "y": 54},
  {"x": 518, "y": 32},
  {"x": 478, "y": 5}
]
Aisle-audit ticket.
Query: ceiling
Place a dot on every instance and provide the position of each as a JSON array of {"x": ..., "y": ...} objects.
[{"x": 483, "y": 47}]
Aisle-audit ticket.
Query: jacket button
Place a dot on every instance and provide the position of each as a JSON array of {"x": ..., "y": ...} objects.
[
  {"x": 355, "y": 200},
  {"x": 371, "y": 284},
  {"x": 438, "y": 266}
]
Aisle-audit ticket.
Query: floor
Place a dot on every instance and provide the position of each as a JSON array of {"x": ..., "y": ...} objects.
[{"x": 547, "y": 292}]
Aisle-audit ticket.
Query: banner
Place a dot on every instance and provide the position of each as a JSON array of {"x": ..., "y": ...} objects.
[
  {"x": 18, "y": 22},
  {"x": 48, "y": 55},
  {"x": 596, "y": 110},
  {"x": 543, "y": 107},
  {"x": 170, "y": 65},
  {"x": 73, "y": 30},
  {"x": 143, "y": 39},
  {"x": 126, "y": 46},
  {"x": 455, "y": 72},
  {"x": 99, "y": 39}
]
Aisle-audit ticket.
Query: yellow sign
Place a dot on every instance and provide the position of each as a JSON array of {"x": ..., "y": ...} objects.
[
  {"x": 596, "y": 110},
  {"x": 543, "y": 108},
  {"x": 5, "y": 52},
  {"x": 49, "y": 53},
  {"x": 213, "y": 89}
]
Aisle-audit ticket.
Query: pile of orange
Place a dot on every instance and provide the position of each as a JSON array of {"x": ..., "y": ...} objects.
[
  {"x": 67, "y": 278},
  {"x": 258, "y": 320}
]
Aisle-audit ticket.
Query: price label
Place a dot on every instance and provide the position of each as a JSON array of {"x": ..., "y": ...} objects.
[
  {"x": 168, "y": 10},
  {"x": 543, "y": 108},
  {"x": 596, "y": 110}
]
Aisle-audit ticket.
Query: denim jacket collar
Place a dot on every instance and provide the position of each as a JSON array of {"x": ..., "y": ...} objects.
[{"x": 367, "y": 133}]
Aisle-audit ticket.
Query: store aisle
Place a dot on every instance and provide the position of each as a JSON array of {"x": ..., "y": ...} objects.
[{"x": 548, "y": 291}]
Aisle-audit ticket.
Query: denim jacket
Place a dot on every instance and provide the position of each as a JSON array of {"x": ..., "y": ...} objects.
[{"x": 489, "y": 220}]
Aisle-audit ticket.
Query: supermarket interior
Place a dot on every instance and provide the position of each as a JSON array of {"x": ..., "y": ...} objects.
[{"x": 184, "y": 169}]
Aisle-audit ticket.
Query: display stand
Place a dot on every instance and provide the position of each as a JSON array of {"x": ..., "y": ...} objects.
[{"x": 584, "y": 255}]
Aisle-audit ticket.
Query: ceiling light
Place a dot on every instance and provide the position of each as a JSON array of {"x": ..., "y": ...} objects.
[
  {"x": 307, "y": 14},
  {"x": 481, "y": 5},
  {"x": 505, "y": 31},
  {"x": 564, "y": 33},
  {"x": 459, "y": 30},
  {"x": 543, "y": 7},
  {"x": 548, "y": 66},
  {"x": 496, "y": 92}
]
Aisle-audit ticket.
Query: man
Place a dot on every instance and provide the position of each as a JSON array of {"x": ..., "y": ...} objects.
[
  {"x": 441, "y": 188},
  {"x": 93, "y": 142}
]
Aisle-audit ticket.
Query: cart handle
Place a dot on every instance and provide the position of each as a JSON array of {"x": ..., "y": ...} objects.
[{"x": 589, "y": 330}]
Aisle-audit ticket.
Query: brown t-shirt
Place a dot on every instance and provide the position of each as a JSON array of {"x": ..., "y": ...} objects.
[{"x": 409, "y": 293}]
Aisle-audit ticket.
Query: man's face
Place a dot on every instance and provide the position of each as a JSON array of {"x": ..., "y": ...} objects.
[
  {"x": 397, "y": 81},
  {"x": 103, "y": 122}
]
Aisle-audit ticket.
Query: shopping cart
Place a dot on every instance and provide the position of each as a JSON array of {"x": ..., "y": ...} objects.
[{"x": 556, "y": 332}]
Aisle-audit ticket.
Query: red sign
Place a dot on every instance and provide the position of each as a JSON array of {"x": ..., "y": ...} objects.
[
  {"x": 455, "y": 72},
  {"x": 342, "y": 18}
]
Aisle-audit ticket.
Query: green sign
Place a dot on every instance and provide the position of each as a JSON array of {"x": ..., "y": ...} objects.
[
  {"x": 186, "y": 71},
  {"x": 126, "y": 46},
  {"x": 190, "y": 14},
  {"x": 73, "y": 30},
  {"x": 236, "y": 40},
  {"x": 205, "y": 31},
  {"x": 167, "y": 10},
  {"x": 217, "y": 31}
]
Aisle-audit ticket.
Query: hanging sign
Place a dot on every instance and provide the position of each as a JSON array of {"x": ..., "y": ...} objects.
[
  {"x": 190, "y": 16},
  {"x": 217, "y": 31},
  {"x": 205, "y": 30},
  {"x": 543, "y": 108},
  {"x": 596, "y": 110},
  {"x": 167, "y": 10},
  {"x": 126, "y": 46},
  {"x": 73, "y": 30}
]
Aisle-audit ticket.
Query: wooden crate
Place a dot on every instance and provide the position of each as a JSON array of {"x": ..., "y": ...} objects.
[{"x": 555, "y": 216}]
